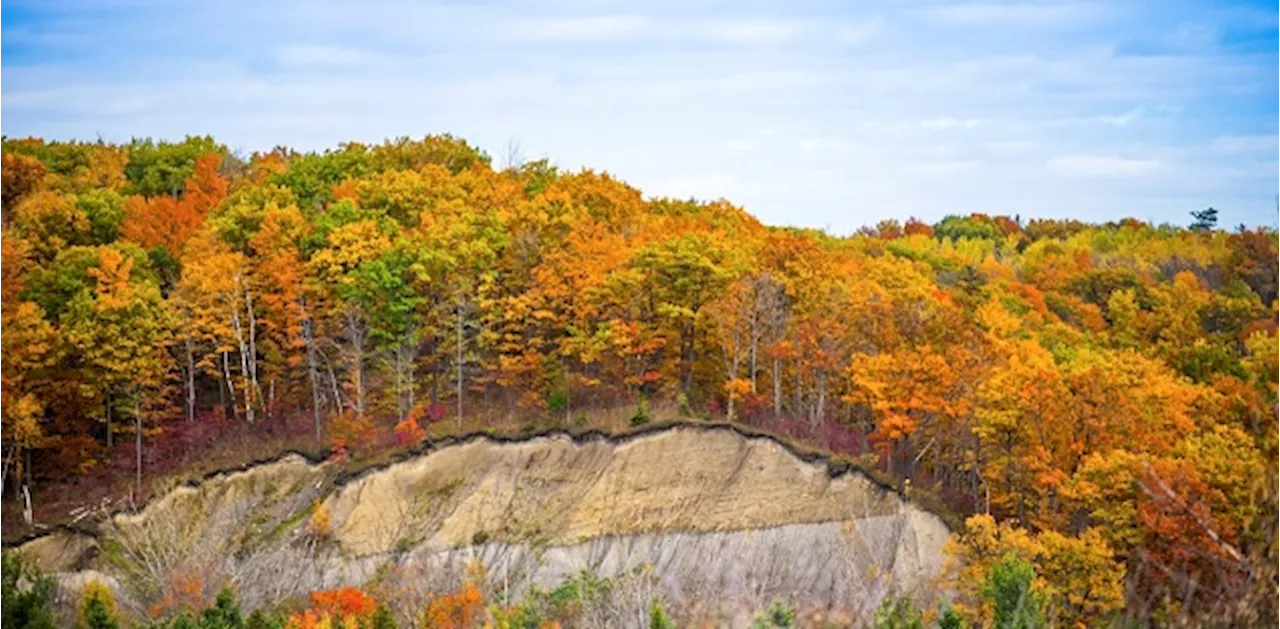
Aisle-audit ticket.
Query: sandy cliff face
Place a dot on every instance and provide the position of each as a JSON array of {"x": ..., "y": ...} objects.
[{"x": 713, "y": 513}]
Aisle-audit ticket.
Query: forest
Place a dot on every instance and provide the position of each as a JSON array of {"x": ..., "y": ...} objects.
[{"x": 1096, "y": 400}]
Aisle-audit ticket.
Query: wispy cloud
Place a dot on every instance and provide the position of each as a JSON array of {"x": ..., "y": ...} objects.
[
  {"x": 947, "y": 122},
  {"x": 578, "y": 29},
  {"x": 1016, "y": 14},
  {"x": 1101, "y": 165},
  {"x": 807, "y": 113},
  {"x": 304, "y": 56},
  {"x": 1239, "y": 144}
]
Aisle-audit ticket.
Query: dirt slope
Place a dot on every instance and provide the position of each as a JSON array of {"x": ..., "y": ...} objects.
[{"x": 714, "y": 512}]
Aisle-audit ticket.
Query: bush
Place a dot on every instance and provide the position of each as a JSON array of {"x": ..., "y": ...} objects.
[
  {"x": 949, "y": 618},
  {"x": 1009, "y": 586},
  {"x": 641, "y": 416},
  {"x": 898, "y": 612},
  {"x": 224, "y": 614},
  {"x": 27, "y": 594},
  {"x": 97, "y": 608},
  {"x": 557, "y": 401},
  {"x": 778, "y": 616},
  {"x": 658, "y": 617}
]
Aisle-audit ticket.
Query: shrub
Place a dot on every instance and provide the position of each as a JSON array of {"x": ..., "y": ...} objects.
[
  {"x": 949, "y": 618},
  {"x": 224, "y": 614},
  {"x": 318, "y": 523},
  {"x": 641, "y": 416},
  {"x": 898, "y": 612},
  {"x": 658, "y": 617},
  {"x": 778, "y": 616},
  {"x": 27, "y": 594},
  {"x": 1018, "y": 605},
  {"x": 409, "y": 431},
  {"x": 457, "y": 610},
  {"x": 97, "y": 608},
  {"x": 557, "y": 401}
]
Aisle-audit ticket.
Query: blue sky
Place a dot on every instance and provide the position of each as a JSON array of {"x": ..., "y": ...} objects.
[{"x": 821, "y": 114}]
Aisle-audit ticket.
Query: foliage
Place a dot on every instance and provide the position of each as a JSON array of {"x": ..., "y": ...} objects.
[
  {"x": 97, "y": 608},
  {"x": 658, "y": 617},
  {"x": 898, "y": 612},
  {"x": 778, "y": 616},
  {"x": 27, "y": 594},
  {"x": 1018, "y": 605},
  {"x": 1109, "y": 389}
]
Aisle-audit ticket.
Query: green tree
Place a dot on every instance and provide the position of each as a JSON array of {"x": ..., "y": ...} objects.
[
  {"x": 949, "y": 618},
  {"x": 1205, "y": 219},
  {"x": 27, "y": 594},
  {"x": 97, "y": 608},
  {"x": 1018, "y": 604},
  {"x": 159, "y": 168},
  {"x": 223, "y": 614}
]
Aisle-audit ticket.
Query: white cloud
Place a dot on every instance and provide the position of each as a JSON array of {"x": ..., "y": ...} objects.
[
  {"x": 1238, "y": 144},
  {"x": 327, "y": 57},
  {"x": 1014, "y": 14},
  {"x": 1101, "y": 165},
  {"x": 749, "y": 31},
  {"x": 947, "y": 122},
  {"x": 579, "y": 29},
  {"x": 860, "y": 33},
  {"x": 837, "y": 117}
]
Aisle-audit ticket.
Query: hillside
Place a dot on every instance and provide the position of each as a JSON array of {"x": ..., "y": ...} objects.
[
  {"x": 742, "y": 521},
  {"x": 1097, "y": 402}
]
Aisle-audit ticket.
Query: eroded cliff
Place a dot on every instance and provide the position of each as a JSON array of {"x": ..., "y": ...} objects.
[{"x": 718, "y": 516}]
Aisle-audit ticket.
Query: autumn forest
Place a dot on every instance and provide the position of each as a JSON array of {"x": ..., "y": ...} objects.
[{"x": 1098, "y": 399}]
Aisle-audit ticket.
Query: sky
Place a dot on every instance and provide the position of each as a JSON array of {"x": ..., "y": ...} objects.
[{"x": 831, "y": 115}]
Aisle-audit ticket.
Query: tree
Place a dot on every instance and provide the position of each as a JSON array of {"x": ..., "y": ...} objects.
[
  {"x": 119, "y": 332},
  {"x": 27, "y": 594},
  {"x": 1205, "y": 220},
  {"x": 162, "y": 168},
  {"x": 97, "y": 608},
  {"x": 1018, "y": 604},
  {"x": 21, "y": 175}
]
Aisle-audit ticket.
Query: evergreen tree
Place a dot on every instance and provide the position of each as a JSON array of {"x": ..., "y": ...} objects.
[{"x": 27, "y": 594}]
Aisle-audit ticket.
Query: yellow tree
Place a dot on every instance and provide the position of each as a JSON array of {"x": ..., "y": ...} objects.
[
  {"x": 31, "y": 347},
  {"x": 216, "y": 296},
  {"x": 121, "y": 330}
]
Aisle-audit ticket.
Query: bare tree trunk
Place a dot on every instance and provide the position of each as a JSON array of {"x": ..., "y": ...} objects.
[
  {"x": 137, "y": 445},
  {"x": 191, "y": 379},
  {"x": 355, "y": 338},
  {"x": 26, "y": 505},
  {"x": 777, "y": 387},
  {"x": 333, "y": 383},
  {"x": 4, "y": 471},
  {"x": 458, "y": 362},
  {"x": 309, "y": 342},
  {"x": 403, "y": 362},
  {"x": 822, "y": 398},
  {"x": 231, "y": 385},
  {"x": 243, "y": 345},
  {"x": 798, "y": 411},
  {"x": 110, "y": 437},
  {"x": 253, "y": 347}
]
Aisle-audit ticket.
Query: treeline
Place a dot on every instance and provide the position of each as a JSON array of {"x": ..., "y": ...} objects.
[{"x": 1113, "y": 381}]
